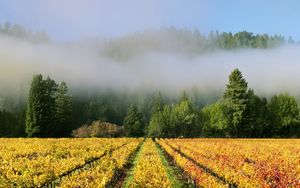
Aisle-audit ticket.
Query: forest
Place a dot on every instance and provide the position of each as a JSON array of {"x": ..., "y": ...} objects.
[
  {"x": 52, "y": 112},
  {"x": 51, "y": 107}
]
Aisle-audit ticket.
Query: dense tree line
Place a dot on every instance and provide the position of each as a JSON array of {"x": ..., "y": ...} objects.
[
  {"x": 187, "y": 42},
  {"x": 11, "y": 124},
  {"x": 164, "y": 39},
  {"x": 246, "y": 39},
  {"x": 51, "y": 112},
  {"x": 12, "y": 117},
  {"x": 239, "y": 113}
]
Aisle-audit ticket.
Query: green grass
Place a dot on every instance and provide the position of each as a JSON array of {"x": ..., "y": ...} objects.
[
  {"x": 172, "y": 171},
  {"x": 130, "y": 174}
]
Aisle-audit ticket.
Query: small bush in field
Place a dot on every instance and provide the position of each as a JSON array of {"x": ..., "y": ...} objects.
[{"x": 98, "y": 129}]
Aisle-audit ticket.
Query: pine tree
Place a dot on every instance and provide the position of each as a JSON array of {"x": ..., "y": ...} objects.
[
  {"x": 49, "y": 119},
  {"x": 134, "y": 122},
  {"x": 63, "y": 109},
  {"x": 40, "y": 113},
  {"x": 168, "y": 126},
  {"x": 236, "y": 97},
  {"x": 155, "y": 125},
  {"x": 34, "y": 107},
  {"x": 156, "y": 120}
]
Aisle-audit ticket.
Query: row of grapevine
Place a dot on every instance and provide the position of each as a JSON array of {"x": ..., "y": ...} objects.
[
  {"x": 199, "y": 175},
  {"x": 246, "y": 163},
  {"x": 35, "y": 162},
  {"x": 103, "y": 170},
  {"x": 149, "y": 170}
]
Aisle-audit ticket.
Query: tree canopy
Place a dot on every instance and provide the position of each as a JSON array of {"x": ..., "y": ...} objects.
[
  {"x": 48, "y": 108},
  {"x": 52, "y": 112}
]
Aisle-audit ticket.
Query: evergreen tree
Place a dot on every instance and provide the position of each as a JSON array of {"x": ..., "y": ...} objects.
[
  {"x": 49, "y": 112},
  {"x": 40, "y": 113},
  {"x": 34, "y": 107},
  {"x": 157, "y": 107},
  {"x": 155, "y": 125},
  {"x": 167, "y": 124},
  {"x": 236, "y": 97},
  {"x": 8, "y": 122},
  {"x": 156, "y": 121},
  {"x": 63, "y": 109},
  {"x": 134, "y": 122},
  {"x": 184, "y": 96}
]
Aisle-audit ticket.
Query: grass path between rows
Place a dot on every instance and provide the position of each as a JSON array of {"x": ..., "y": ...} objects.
[
  {"x": 120, "y": 175},
  {"x": 130, "y": 173},
  {"x": 174, "y": 173}
]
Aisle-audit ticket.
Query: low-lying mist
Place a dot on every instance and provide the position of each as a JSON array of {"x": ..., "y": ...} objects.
[{"x": 85, "y": 65}]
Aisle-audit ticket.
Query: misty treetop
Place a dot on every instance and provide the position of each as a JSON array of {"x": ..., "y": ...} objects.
[
  {"x": 134, "y": 122},
  {"x": 184, "y": 41},
  {"x": 169, "y": 39},
  {"x": 18, "y": 31},
  {"x": 241, "y": 113}
]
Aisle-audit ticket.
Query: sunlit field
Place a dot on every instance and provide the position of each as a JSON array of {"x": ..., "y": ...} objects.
[{"x": 133, "y": 162}]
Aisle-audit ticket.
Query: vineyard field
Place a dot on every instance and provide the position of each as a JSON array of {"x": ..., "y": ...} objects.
[
  {"x": 238, "y": 162},
  {"x": 145, "y": 162}
]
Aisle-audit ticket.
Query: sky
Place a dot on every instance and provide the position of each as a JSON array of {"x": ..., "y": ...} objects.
[{"x": 77, "y": 19}]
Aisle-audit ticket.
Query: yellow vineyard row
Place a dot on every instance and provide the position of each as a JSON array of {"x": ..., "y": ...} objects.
[
  {"x": 35, "y": 162},
  {"x": 200, "y": 177},
  {"x": 149, "y": 170},
  {"x": 104, "y": 169}
]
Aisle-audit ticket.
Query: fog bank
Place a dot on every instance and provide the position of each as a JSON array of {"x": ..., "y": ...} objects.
[{"x": 84, "y": 65}]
